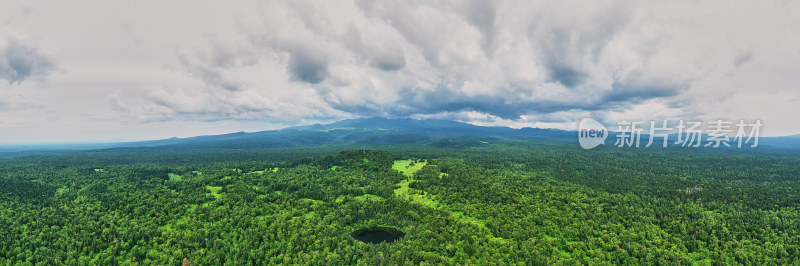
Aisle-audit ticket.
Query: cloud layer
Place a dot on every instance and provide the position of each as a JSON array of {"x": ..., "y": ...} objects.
[
  {"x": 506, "y": 59},
  {"x": 507, "y": 62}
]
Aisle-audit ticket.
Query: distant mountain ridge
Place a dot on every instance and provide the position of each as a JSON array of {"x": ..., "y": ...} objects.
[
  {"x": 364, "y": 131},
  {"x": 372, "y": 132}
]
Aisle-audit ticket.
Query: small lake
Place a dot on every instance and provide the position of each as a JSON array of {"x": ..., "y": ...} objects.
[{"x": 377, "y": 235}]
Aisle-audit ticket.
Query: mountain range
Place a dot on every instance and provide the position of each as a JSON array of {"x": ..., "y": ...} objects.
[{"x": 368, "y": 132}]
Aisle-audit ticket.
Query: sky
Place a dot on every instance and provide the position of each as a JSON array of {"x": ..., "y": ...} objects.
[{"x": 110, "y": 70}]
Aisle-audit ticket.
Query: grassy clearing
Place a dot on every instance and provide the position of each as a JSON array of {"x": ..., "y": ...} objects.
[
  {"x": 214, "y": 191},
  {"x": 175, "y": 177},
  {"x": 403, "y": 190},
  {"x": 408, "y": 167},
  {"x": 311, "y": 202}
]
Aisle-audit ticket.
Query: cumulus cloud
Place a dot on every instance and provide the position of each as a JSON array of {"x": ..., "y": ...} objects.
[
  {"x": 20, "y": 61},
  {"x": 505, "y": 62},
  {"x": 507, "y": 59}
]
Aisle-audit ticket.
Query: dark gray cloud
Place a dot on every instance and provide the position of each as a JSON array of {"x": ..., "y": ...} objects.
[
  {"x": 482, "y": 15},
  {"x": 569, "y": 77},
  {"x": 307, "y": 67},
  {"x": 20, "y": 61},
  {"x": 635, "y": 94},
  {"x": 445, "y": 100},
  {"x": 388, "y": 62},
  {"x": 379, "y": 53}
]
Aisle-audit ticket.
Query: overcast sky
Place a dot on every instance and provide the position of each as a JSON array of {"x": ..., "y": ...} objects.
[{"x": 108, "y": 70}]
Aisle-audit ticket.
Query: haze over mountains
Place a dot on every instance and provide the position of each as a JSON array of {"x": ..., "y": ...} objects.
[{"x": 368, "y": 132}]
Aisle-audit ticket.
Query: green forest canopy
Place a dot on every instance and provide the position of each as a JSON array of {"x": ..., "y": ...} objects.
[{"x": 529, "y": 203}]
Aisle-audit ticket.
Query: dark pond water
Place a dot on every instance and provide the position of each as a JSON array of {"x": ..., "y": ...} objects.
[{"x": 377, "y": 235}]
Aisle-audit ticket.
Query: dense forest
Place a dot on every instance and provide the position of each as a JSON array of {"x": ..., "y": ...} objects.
[{"x": 516, "y": 202}]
